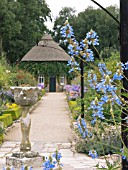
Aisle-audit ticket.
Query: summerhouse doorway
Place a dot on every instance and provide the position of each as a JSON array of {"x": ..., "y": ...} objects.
[{"x": 52, "y": 84}]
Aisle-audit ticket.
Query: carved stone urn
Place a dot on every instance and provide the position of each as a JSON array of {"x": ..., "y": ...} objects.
[{"x": 26, "y": 97}]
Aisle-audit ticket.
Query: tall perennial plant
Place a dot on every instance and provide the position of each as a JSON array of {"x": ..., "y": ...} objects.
[{"x": 106, "y": 91}]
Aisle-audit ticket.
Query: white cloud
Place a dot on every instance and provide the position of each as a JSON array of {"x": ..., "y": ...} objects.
[{"x": 78, "y": 5}]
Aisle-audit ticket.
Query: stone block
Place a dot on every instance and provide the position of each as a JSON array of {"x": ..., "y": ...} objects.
[{"x": 17, "y": 162}]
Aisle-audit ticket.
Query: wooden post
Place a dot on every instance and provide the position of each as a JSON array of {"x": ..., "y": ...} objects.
[
  {"x": 124, "y": 59},
  {"x": 82, "y": 87}
]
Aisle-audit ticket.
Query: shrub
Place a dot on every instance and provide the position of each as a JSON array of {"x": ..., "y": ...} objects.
[
  {"x": 23, "y": 78},
  {"x": 43, "y": 91},
  {"x": 108, "y": 143},
  {"x": 15, "y": 112},
  {"x": 1, "y": 132},
  {"x": 6, "y": 119}
]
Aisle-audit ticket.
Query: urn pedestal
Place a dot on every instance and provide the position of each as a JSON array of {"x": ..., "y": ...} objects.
[
  {"x": 25, "y": 97},
  {"x": 25, "y": 144}
]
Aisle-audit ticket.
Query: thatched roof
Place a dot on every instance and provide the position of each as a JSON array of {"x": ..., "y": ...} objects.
[{"x": 46, "y": 50}]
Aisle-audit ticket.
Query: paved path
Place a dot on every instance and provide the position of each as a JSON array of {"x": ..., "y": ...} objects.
[
  {"x": 50, "y": 129},
  {"x": 49, "y": 121}
]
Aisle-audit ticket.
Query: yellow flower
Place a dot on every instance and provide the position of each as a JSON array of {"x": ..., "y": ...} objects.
[
  {"x": 14, "y": 105},
  {"x": 10, "y": 107},
  {"x": 7, "y": 104}
]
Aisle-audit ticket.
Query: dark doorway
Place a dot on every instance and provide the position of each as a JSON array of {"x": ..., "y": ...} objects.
[{"x": 52, "y": 84}]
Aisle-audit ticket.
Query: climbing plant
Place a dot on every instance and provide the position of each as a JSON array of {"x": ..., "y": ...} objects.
[{"x": 47, "y": 69}]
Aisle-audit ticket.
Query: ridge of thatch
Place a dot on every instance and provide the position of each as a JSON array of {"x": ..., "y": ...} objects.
[{"x": 46, "y": 50}]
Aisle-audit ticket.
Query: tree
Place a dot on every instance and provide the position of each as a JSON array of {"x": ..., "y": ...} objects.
[
  {"x": 64, "y": 14},
  {"x": 97, "y": 20},
  {"x": 102, "y": 23},
  {"x": 9, "y": 27},
  {"x": 31, "y": 16}
]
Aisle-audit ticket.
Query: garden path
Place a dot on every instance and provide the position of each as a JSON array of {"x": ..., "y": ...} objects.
[
  {"x": 50, "y": 129},
  {"x": 49, "y": 121}
]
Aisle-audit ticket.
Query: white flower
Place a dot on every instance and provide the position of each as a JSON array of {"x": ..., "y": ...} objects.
[{"x": 7, "y": 71}]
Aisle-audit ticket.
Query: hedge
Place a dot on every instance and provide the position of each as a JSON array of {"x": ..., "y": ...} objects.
[
  {"x": 72, "y": 103},
  {"x": 16, "y": 112},
  {"x": 43, "y": 91},
  {"x": 1, "y": 138},
  {"x": 75, "y": 109},
  {"x": 6, "y": 119}
]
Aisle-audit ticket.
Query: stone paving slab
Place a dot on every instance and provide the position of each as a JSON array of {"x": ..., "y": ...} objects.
[{"x": 70, "y": 160}]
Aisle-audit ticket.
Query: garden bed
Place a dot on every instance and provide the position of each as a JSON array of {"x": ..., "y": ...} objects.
[
  {"x": 15, "y": 112},
  {"x": 6, "y": 119}
]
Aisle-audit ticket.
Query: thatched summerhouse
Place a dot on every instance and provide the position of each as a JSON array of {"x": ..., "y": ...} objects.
[{"x": 49, "y": 62}]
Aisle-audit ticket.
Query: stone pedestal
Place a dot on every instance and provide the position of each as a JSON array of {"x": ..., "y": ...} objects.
[
  {"x": 30, "y": 158},
  {"x": 26, "y": 97},
  {"x": 25, "y": 129}
]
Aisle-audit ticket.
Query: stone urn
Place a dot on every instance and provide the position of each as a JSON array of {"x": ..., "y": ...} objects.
[{"x": 26, "y": 97}]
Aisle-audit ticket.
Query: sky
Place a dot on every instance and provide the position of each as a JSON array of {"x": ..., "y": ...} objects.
[{"x": 78, "y": 5}]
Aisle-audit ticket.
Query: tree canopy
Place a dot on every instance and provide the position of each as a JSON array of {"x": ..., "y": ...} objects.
[
  {"x": 21, "y": 24},
  {"x": 95, "y": 19}
]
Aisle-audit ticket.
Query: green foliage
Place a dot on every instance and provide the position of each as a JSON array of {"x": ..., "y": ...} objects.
[
  {"x": 24, "y": 78},
  {"x": 92, "y": 19},
  {"x": 21, "y": 24},
  {"x": 15, "y": 112},
  {"x": 6, "y": 119},
  {"x": 1, "y": 139},
  {"x": 95, "y": 19},
  {"x": 43, "y": 91},
  {"x": 47, "y": 69},
  {"x": 9, "y": 26},
  {"x": 106, "y": 142},
  {"x": 75, "y": 109},
  {"x": 4, "y": 72},
  {"x": 12, "y": 76},
  {"x": 64, "y": 14},
  {"x": 2, "y": 132},
  {"x": 90, "y": 95}
]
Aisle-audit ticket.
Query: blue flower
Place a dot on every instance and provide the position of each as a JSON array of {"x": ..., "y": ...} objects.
[
  {"x": 104, "y": 99},
  {"x": 92, "y": 38},
  {"x": 96, "y": 42},
  {"x": 115, "y": 98},
  {"x": 124, "y": 157},
  {"x": 126, "y": 65},
  {"x": 103, "y": 69},
  {"x": 117, "y": 76},
  {"x": 94, "y": 121},
  {"x": 93, "y": 154},
  {"x": 92, "y": 79},
  {"x": 83, "y": 123},
  {"x": 3, "y": 168},
  {"x": 71, "y": 70},
  {"x": 85, "y": 133},
  {"x": 123, "y": 154},
  {"x": 97, "y": 110},
  {"x": 57, "y": 155},
  {"x": 67, "y": 31},
  {"x": 80, "y": 128},
  {"x": 47, "y": 165}
]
